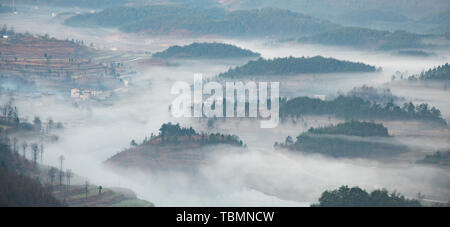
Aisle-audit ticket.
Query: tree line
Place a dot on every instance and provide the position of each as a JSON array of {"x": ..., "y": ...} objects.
[
  {"x": 345, "y": 196},
  {"x": 175, "y": 134},
  {"x": 441, "y": 72},
  {"x": 351, "y": 107}
]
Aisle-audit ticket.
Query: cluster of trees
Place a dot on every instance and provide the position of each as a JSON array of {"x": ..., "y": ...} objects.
[
  {"x": 10, "y": 117},
  {"x": 353, "y": 128},
  {"x": 163, "y": 19},
  {"x": 291, "y": 65},
  {"x": 441, "y": 72},
  {"x": 357, "y": 197},
  {"x": 415, "y": 53},
  {"x": 351, "y": 107},
  {"x": 438, "y": 158},
  {"x": 349, "y": 139},
  {"x": 175, "y": 134},
  {"x": 379, "y": 95},
  {"x": 206, "y": 50},
  {"x": 18, "y": 189},
  {"x": 7, "y": 31},
  {"x": 367, "y": 38}
]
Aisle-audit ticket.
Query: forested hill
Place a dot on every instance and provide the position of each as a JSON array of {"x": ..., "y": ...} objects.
[
  {"x": 351, "y": 107},
  {"x": 291, "y": 66},
  {"x": 350, "y": 139},
  {"x": 353, "y": 128},
  {"x": 205, "y": 50},
  {"x": 438, "y": 73},
  {"x": 357, "y": 197},
  {"x": 160, "y": 19},
  {"x": 175, "y": 147},
  {"x": 366, "y": 38}
]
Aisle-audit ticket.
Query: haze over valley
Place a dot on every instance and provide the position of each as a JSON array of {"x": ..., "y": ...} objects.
[{"x": 363, "y": 101}]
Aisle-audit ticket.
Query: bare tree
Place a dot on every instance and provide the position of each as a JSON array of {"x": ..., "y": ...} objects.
[
  {"x": 42, "y": 152},
  {"x": 86, "y": 188},
  {"x": 35, "y": 149},
  {"x": 15, "y": 149},
  {"x": 24, "y": 148},
  {"x": 61, "y": 172},
  {"x": 51, "y": 175},
  {"x": 69, "y": 175}
]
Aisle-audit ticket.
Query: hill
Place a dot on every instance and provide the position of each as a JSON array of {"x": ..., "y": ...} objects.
[
  {"x": 205, "y": 51},
  {"x": 352, "y": 139},
  {"x": 440, "y": 73},
  {"x": 352, "y": 107},
  {"x": 173, "y": 148},
  {"x": 367, "y": 38},
  {"x": 170, "y": 19},
  {"x": 440, "y": 158},
  {"x": 292, "y": 66},
  {"x": 357, "y": 197},
  {"x": 23, "y": 45},
  {"x": 371, "y": 15}
]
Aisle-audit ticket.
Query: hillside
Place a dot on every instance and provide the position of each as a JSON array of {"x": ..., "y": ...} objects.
[
  {"x": 17, "y": 188},
  {"x": 367, "y": 38},
  {"x": 371, "y": 16},
  {"x": 165, "y": 19},
  {"x": 173, "y": 148},
  {"x": 292, "y": 66},
  {"x": 205, "y": 51},
  {"x": 89, "y": 196},
  {"x": 352, "y": 139},
  {"x": 62, "y": 64}
]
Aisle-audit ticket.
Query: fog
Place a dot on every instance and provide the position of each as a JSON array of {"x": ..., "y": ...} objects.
[{"x": 258, "y": 176}]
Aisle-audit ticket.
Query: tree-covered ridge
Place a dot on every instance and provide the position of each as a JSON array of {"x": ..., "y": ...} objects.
[
  {"x": 439, "y": 158},
  {"x": 351, "y": 107},
  {"x": 371, "y": 15},
  {"x": 415, "y": 53},
  {"x": 350, "y": 139},
  {"x": 441, "y": 72},
  {"x": 292, "y": 65},
  {"x": 174, "y": 134},
  {"x": 367, "y": 38},
  {"x": 353, "y": 128},
  {"x": 165, "y": 19},
  {"x": 357, "y": 197},
  {"x": 373, "y": 94},
  {"x": 155, "y": 17},
  {"x": 205, "y": 50}
]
